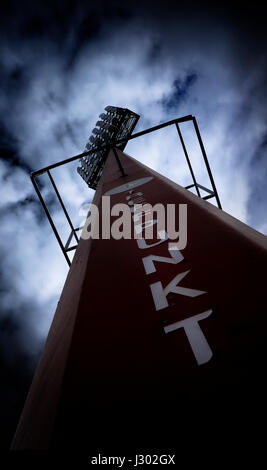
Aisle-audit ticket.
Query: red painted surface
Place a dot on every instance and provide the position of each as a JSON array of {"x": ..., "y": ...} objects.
[{"x": 121, "y": 370}]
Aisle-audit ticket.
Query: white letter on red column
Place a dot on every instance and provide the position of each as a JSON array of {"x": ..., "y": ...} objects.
[
  {"x": 160, "y": 295},
  {"x": 197, "y": 340}
]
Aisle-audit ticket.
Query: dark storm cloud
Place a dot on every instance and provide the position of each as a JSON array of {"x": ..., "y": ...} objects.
[
  {"x": 258, "y": 180},
  {"x": 181, "y": 88},
  {"x": 9, "y": 151}
]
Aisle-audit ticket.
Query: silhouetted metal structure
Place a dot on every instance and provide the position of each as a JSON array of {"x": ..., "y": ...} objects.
[{"x": 100, "y": 150}]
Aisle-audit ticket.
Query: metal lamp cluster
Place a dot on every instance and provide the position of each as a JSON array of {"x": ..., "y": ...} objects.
[{"x": 115, "y": 124}]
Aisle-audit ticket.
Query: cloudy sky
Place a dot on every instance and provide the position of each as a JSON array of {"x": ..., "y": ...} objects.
[{"x": 61, "y": 63}]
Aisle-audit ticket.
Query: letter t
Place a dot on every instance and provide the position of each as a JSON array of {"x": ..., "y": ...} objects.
[{"x": 197, "y": 340}]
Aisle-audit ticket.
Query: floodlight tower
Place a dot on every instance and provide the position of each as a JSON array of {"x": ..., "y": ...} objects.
[
  {"x": 115, "y": 125},
  {"x": 144, "y": 329}
]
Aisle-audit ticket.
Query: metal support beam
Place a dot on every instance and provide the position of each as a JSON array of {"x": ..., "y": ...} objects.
[
  {"x": 68, "y": 241},
  {"x": 206, "y": 189},
  {"x": 208, "y": 197},
  {"x": 105, "y": 147},
  {"x": 50, "y": 219},
  {"x": 187, "y": 158},
  {"x": 63, "y": 206},
  {"x": 118, "y": 161},
  {"x": 206, "y": 162},
  {"x": 72, "y": 248}
]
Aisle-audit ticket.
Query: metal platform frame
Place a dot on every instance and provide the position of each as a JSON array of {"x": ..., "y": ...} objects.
[{"x": 210, "y": 192}]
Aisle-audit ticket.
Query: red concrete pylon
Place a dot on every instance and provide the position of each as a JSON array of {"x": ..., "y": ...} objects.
[{"x": 135, "y": 336}]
